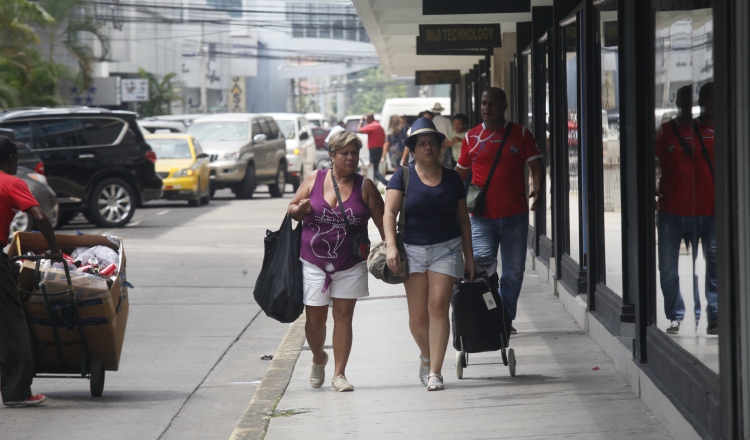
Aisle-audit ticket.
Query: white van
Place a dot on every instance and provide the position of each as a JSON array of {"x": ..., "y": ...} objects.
[{"x": 411, "y": 107}]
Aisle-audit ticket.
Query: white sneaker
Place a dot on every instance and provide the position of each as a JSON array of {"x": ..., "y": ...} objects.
[
  {"x": 318, "y": 373},
  {"x": 340, "y": 384}
]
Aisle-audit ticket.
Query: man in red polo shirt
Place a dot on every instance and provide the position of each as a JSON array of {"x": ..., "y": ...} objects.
[
  {"x": 685, "y": 154},
  {"x": 505, "y": 223},
  {"x": 16, "y": 361},
  {"x": 375, "y": 141}
]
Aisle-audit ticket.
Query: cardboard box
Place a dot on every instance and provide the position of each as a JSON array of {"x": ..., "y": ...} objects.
[{"x": 103, "y": 319}]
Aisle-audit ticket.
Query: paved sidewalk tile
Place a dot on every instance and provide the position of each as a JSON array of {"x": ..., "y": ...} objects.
[{"x": 557, "y": 392}]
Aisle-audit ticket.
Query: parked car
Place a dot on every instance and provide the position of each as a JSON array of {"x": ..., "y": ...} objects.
[
  {"x": 317, "y": 119},
  {"x": 183, "y": 167},
  {"x": 43, "y": 194},
  {"x": 244, "y": 149},
  {"x": 186, "y": 119},
  {"x": 96, "y": 160},
  {"x": 300, "y": 145},
  {"x": 156, "y": 125},
  {"x": 320, "y": 135}
]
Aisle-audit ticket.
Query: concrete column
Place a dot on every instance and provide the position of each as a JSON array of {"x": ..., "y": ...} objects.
[
  {"x": 498, "y": 72},
  {"x": 509, "y": 44}
]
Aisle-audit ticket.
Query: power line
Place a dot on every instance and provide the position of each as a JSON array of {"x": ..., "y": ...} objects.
[{"x": 211, "y": 9}]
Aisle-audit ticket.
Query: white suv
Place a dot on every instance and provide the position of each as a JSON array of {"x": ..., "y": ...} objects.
[{"x": 300, "y": 145}]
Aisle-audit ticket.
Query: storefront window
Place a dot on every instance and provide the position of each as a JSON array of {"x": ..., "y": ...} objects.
[
  {"x": 610, "y": 110},
  {"x": 686, "y": 232},
  {"x": 571, "y": 81},
  {"x": 546, "y": 146},
  {"x": 529, "y": 120}
]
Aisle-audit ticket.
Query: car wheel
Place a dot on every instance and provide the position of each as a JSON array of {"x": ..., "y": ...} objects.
[
  {"x": 247, "y": 186},
  {"x": 22, "y": 222},
  {"x": 65, "y": 217},
  {"x": 206, "y": 199},
  {"x": 112, "y": 203},
  {"x": 277, "y": 188},
  {"x": 197, "y": 200}
]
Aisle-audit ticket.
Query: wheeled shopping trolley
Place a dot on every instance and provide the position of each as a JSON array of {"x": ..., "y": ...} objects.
[
  {"x": 77, "y": 326},
  {"x": 480, "y": 321}
]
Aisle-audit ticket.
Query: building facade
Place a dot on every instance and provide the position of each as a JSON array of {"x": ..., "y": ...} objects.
[{"x": 600, "y": 82}]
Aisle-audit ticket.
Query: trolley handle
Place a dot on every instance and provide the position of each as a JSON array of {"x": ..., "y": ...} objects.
[{"x": 38, "y": 259}]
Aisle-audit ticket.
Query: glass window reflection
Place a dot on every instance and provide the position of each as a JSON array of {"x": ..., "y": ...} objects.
[
  {"x": 684, "y": 149},
  {"x": 571, "y": 78},
  {"x": 610, "y": 111}
]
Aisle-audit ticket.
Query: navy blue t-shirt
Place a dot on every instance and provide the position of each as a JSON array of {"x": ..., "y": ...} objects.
[{"x": 430, "y": 211}]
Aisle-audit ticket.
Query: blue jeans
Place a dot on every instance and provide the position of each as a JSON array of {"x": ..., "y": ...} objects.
[
  {"x": 510, "y": 234},
  {"x": 375, "y": 155},
  {"x": 672, "y": 230}
]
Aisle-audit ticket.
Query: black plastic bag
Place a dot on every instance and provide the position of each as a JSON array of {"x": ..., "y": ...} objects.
[{"x": 278, "y": 290}]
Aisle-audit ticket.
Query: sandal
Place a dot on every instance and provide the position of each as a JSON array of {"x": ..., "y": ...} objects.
[
  {"x": 318, "y": 373},
  {"x": 435, "y": 382},
  {"x": 424, "y": 370}
]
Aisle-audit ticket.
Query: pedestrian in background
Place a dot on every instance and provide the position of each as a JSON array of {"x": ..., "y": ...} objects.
[
  {"x": 438, "y": 245},
  {"x": 394, "y": 145},
  {"x": 687, "y": 204},
  {"x": 442, "y": 124},
  {"x": 452, "y": 144},
  {"x": 375, "y": 141},
  {"x": 331, "y": 269},
  {"x": 335, "y": 129},
  {"x": 17, "y": 367},
  {"x": 505, "y": 223}
]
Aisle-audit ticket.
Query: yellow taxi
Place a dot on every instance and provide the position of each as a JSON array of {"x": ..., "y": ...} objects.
[{"x": 182, "y": 166}]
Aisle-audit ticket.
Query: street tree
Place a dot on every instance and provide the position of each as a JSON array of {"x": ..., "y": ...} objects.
[
  {"x": 71, "y": 18},
  {"x": 161, "y": 92},
  {"x": 16, "y": 32},
  {"x": 369, "y": 90}
]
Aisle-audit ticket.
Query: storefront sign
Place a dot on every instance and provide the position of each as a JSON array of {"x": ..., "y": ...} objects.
[
  {"x": 460, "y": 36},
  {"x": 237, "y": 95},
  {"x": 472, "y": 51},
  {"x": 430, "y": 77},
  {"x": 453, "y": 7},
  {"x": 134, "y": 90}
]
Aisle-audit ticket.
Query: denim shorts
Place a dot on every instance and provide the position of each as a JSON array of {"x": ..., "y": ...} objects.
[{"x": 446, "y": 258}]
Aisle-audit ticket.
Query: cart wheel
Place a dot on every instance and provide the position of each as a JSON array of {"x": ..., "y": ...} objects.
[
  {"x": 464, "y": 359},
  {"x": 96, "y": 381},
  {"x": 512, "y": 362},
  {"x": 505, "y": 357},
  {"x": 460, "y": 365}
]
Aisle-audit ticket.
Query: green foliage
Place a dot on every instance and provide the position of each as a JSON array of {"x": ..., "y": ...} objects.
[
  {"x": 32, "y": 85},
  {"x": 371, "y": 88},
  {"x": 161, "y": 93},
  {"x": 70, "y": 19}
]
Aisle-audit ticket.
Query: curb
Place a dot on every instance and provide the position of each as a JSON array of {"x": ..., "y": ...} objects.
[{"x": 254, "y": 423}]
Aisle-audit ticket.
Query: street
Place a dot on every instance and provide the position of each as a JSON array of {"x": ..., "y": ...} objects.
[{"x": 194, "y": 340}]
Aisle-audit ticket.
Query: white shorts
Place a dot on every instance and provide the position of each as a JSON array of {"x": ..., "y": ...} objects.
[{"x": 346, "y": 284}]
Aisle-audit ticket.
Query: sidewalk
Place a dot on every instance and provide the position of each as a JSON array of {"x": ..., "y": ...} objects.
[{"x": 565, "y": 386}]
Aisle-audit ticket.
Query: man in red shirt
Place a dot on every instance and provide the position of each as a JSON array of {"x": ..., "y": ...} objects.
[
  {"x": 16, "y": 362},
  {"x": 375, "y": 141},
  {"x": 505, "y": 223},
  {"x": 685, "y": 154}
]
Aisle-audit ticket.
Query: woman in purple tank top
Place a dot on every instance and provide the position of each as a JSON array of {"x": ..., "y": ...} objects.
[{"x": 330, "y": 270}]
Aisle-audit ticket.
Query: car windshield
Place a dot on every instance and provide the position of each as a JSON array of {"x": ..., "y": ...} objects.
[
  {"x": 219, "y": 131},
  {"x": 286, "y": 127},
  {"x": 170, "y": 148}
]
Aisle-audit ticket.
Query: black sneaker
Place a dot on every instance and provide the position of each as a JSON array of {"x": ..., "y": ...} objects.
[
  {"x": 674, "y": 328},
  {"x": 713, "y": 328}
]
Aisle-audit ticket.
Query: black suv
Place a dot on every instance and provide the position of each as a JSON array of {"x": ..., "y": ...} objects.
[{"x": 95, "y": 159}]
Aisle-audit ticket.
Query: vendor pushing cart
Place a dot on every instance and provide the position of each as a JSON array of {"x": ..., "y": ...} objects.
[{"x": 16, "y": 360}]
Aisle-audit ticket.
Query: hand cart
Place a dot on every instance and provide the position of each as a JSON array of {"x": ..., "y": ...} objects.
[{"x": 62, "y": 313}]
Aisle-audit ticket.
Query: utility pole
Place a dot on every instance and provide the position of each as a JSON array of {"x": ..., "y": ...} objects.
[{"x": 203, "y": 54}]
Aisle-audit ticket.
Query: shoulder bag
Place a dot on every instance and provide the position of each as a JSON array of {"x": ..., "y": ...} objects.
[
  {"x": 476, "y": 196},
  {"x": 376, "y": 262}
]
